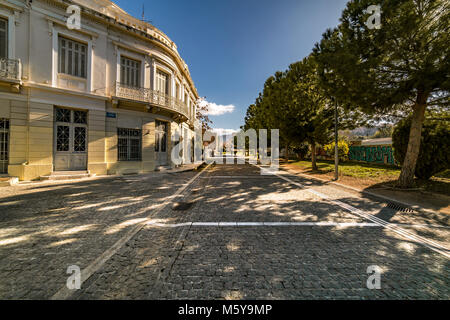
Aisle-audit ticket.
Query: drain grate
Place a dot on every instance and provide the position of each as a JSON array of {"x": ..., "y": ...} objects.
[
  {"x": 399, "y": 207},
  {"x": 182, "y": 206}
]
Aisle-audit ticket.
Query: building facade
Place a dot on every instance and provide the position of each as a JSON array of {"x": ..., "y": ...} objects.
[{"x": 105, "y": 98}]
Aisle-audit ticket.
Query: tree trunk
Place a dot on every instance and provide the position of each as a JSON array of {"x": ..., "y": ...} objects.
[
  {"x": 406, "y": 179},
  {"x": 313, "y": 156},
  {"x": 286, "y": 153}
]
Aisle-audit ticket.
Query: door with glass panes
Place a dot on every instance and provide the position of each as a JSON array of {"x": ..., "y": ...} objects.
[
  {"x": 71, "y": 133},
  {"x": 161, "y": 130}
]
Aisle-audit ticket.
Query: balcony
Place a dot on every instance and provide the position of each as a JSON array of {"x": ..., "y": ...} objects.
[
  {"x": 11, "y": 72},
  {"x": 151, "y": 97}
]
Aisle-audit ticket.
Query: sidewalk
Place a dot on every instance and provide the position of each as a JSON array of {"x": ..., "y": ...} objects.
[
  {"x": 418, "y": 200},
  {"x": 183, "y": 168}
]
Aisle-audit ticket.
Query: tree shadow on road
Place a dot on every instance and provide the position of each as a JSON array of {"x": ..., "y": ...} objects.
[{"x": 48, "y": 228}]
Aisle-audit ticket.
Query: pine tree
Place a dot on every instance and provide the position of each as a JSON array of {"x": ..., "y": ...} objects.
[{"x": 402, "y": 65}]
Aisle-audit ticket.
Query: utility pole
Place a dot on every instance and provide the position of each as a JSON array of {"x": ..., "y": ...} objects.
[
  {"x": 336, "y": 147},
  {"x": 336, "y": 137}
]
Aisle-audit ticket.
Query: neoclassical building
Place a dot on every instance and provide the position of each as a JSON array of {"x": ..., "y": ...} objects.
[{"x": 102, "y": 99}]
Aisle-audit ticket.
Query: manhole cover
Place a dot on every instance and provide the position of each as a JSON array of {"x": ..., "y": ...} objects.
[
  {"x": 182, "y": 206},
  {"x": 399, "y": 207}
]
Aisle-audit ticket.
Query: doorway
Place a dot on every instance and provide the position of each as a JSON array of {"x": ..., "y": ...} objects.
[{"x": 70, "y": 145}]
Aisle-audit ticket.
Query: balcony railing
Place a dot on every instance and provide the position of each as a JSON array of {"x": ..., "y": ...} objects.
[
  {"x": 10, "y": 69},
  {"x": 151, "y": 97}
]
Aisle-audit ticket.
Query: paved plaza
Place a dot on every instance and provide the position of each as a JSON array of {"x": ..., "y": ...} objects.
[{"x": 226, "y": 232}]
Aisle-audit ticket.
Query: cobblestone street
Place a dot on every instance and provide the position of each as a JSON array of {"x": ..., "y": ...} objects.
[{"x": 225, "y": 233}]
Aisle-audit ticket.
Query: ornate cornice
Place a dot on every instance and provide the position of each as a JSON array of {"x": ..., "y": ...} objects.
[{"x": 132, "y": 27}]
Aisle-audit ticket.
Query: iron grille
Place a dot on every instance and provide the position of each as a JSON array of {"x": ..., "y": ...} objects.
[
  {"x": 151, "y": 96},
  {"x": 399, "y": 207},
  {"x": 79, "y": 142},
  {"x": 80, "y": 117},
  {"x": 129, "y": 144},
  {"x": 4, "y": 145},
  {"x": 62, "y": 115},
  {"x": 71, "y": 130},
  {"x": 62, "y": 138}
]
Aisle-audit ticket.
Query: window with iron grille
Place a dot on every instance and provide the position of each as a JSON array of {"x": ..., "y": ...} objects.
[
  {"x": 4, "y": 145},
  {"x": 3, "y": 38},
  {"x": 129, "y": 144},
  {"x": 72, "y": 58},
  {"x": 130, "y": 72}
]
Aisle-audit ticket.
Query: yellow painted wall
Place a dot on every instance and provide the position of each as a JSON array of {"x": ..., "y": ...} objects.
[
  {"x": 97, "y": 142},
  {"x": 148, "y": 145},
  {"x": 31, "y": 124},
  {"x": 32, "y": 147},
  {"x": 31, "y": 153}
]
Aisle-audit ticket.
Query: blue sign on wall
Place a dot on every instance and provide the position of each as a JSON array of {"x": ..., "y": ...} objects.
[{"x": 111, "y": 115}]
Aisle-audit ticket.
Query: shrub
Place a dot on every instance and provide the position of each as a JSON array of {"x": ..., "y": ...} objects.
[
  {"x": 343, "y": 150},
  {"x": 434, "y": 155},
  {"x": 301, "y": 151}
]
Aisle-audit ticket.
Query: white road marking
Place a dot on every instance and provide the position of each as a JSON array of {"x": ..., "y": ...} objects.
[
  {"x": 423, "y": 241},
  {"x": 227, "y": 224},
  {"x": 376, "y": 195},
  {"x": 86, "y": 273},
  {"x": 205, "y": 224}
]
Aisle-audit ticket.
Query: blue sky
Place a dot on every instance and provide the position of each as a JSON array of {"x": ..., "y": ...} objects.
[{"x": 233, "y": 46}]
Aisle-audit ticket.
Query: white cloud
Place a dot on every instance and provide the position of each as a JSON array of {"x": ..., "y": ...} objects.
[{"x": 217, "y": 109}]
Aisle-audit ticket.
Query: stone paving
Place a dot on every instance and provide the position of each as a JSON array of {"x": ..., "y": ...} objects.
[
  {"x": 47, "y": 227},
  {"x": 172, "y": 261}
]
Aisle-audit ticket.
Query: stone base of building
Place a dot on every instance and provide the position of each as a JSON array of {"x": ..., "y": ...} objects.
[
  {"x": 98, "y": 169},
  {"x": 131, "y": 167},
  {"x": 33, "y": 172},
  {"x": 29, "y": 172}
]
